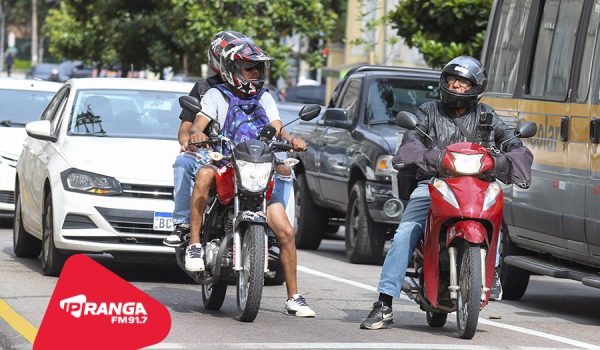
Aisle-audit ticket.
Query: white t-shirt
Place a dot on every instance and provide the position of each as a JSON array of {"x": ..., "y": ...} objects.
[{"x": 215, "y": 106}]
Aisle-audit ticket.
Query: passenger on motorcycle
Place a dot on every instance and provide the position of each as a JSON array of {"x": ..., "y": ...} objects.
[
  {"x": 191, "y": 158},
  {"x": 462, "y": 82},
  {"x": 232, "y": 104}
]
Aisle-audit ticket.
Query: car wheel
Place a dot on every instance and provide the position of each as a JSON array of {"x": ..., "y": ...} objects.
[
  {"x": 310, "y": 218},
  {"x": 52, "y": 259},
  {"x": 365, "y": 239},
  {"x": 24, "y": 244},
  {"x": 514, "y": 280}
]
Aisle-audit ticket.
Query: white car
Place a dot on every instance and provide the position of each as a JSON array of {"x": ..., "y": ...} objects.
[
  {"x": 96, "y": 174},
  {"x": 21, "y": 101}
]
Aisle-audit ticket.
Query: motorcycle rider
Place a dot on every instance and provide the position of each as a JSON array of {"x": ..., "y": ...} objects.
[
  {"x": 191, "y": 158},
  {"x": 462, "y": 82},
  {"x": 239, "y": 99}
]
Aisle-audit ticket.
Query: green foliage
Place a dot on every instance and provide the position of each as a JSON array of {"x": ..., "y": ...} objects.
[
  {"x": 22, "y": 65},
  {"x": 158, "y": 33},
  {"x": 442, "y": 29}
]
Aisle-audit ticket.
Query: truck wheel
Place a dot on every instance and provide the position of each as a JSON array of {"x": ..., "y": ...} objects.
[
  {"x": 514, "y": 280},
  {"x": 365, "y": 239},
  {"x": 310, "y": 219}
]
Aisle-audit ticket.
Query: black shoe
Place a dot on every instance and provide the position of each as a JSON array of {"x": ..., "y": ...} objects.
[
  {"x": 178, "y": 237},
  {"x": 273, "y": 245},
  {"x": 496, "y": 293},
  {"x": 379, "y": 317}
]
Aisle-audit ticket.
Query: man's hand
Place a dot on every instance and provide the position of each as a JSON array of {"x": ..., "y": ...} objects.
[
  {"x": 197, "y": 135},
  {"x": 185, "y": 147},
  {"x": 299, "y": 144}
]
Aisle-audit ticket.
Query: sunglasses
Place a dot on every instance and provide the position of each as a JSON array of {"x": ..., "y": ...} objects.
[
  {"x": 465, "y": 84},
  {"x": 250, "y": 65}
]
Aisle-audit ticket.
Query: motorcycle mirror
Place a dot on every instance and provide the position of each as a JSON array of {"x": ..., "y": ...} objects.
[
  {"x": 526, "y": 130},
  {"x": 309, "y": 112},
  {"x": 406, "y": 120},
  {"x": 267, "y": 133},
  {"x": 190, "y": 104}
]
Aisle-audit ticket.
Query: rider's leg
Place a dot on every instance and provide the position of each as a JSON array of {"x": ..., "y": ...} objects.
[
  {"x": 409, "y": 233},
  {"x": 284, "y": 231},
  {"x": 194, "y": 254}
]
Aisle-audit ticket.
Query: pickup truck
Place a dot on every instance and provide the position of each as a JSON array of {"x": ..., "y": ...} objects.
[{"x": 344, "y": 178}]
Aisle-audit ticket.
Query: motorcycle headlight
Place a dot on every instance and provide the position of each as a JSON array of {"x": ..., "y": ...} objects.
[
  {"x": 254, "y": 177},
  {"x": 442, "y": 187},
  {"x": 76, "y": 180},
  {"x": 491, "y": 194},
  {"x": 467, "y": 164}
]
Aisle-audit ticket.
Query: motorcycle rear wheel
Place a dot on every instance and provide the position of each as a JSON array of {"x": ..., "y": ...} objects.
[
  {"x": 436, "y": 319},
  {"x": 469, "y": 293},
  {"x": 213, "y": 294},
  {"x": 251, "y": 277}
]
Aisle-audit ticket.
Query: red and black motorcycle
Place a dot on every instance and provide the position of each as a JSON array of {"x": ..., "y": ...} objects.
[
  {"x": 454, "y": 265},
  {"x": 234, "y": 230}
]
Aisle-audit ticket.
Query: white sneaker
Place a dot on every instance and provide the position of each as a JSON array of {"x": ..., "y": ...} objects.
[
  {"x": 194, "y": 258},
  {"x": 296, "y": 305}
]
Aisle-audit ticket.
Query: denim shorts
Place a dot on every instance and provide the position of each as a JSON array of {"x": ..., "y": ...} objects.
[{"x": 282, "y": 188}]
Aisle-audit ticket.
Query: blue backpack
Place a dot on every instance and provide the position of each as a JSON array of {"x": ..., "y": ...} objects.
[{"x": 245, "y": 117}]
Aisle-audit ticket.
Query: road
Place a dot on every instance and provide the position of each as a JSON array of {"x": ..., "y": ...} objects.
[{"x": 552, "y": 314}]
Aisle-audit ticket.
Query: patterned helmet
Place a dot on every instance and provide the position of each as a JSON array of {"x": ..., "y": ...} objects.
[
  {"x": 237, "y": 52},
  {"x": 467, "y": 68},
  {"x": 214, "y": 53}
]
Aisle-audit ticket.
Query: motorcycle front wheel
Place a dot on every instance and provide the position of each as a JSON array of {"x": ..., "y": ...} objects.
[
  {"x": 469, "y": 293},
  {"x": 251, "y": 277}
]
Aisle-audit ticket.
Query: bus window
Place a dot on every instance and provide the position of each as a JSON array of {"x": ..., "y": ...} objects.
[
  {"x": 507, "y": 45},
  {"x": 588, "y": 54},
  {"x": 554, "y": 49}
]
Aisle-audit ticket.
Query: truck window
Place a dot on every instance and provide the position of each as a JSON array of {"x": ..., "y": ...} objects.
[
  {"x": 588, "y": 54},
  {"x": 351, "y": 97},
  {"x": 507, "y": 44},
  {"x": 554, "y": 49}
]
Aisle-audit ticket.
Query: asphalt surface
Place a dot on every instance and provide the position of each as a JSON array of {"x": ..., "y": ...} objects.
[{"x": 553, "y": 313}]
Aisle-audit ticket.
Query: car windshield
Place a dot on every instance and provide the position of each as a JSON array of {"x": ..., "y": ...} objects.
[
  {"x": 23, "y": 106},
  {"x": 45, "y": 68},
  {"x": 126, "y": 113},
  {"x": 386, "y": 97}
]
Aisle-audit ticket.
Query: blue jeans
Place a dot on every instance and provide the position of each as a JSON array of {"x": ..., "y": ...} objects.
[
  {"x": 408, "y": 235},
  {"x": 184, "y": 172},
  {"x": 282, "y": 188}
]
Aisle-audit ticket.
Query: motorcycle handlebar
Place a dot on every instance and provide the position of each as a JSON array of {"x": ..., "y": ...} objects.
[
  {"x": 281, "y": 146},
  {"x": 211, "y": 141}
]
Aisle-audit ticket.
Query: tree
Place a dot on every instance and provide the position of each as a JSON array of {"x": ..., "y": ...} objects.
[{"x": 442, "y": 29}]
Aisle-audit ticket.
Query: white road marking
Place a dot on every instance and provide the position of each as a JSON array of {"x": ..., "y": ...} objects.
[
  {"x": 556, "y": 338},
  {"x": 404, "y": 346}
]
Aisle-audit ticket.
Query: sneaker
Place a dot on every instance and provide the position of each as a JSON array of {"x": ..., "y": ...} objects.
[
  {"x": 194, "y": 258},
  {"x": 273, "y": 245},
  {"x": 379, "y": 317},
  {"x": 179, "y": 235},
  {"x": 496, "y": 293},
  {"x": 297, "y": 306}
]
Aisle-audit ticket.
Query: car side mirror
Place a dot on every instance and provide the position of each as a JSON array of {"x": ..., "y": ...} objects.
[
  {"x": 190, "y": 104},
  {"x": 526, "y": 130},
  {"x": 406, "y": 120},
  {"x": 309, "y": 112},
  {"x": 41, "y": 130},
  {"x": 337, "y": 117}
]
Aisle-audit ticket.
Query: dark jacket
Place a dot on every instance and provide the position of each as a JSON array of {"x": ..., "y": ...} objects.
[
  {"x": 512, "y": 166},
  {"x": 199, "y": 89}
]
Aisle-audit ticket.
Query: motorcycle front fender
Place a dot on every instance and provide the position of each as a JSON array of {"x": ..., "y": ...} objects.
[{"x": 469, "y": 230}]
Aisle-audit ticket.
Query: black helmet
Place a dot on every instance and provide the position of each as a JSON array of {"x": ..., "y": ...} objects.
[
  {"x": 239, "y": 51},
  {"x": 470, "y": 69}
]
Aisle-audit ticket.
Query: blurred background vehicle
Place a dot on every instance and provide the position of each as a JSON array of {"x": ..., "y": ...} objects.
[
  {"x": 22, "y": 101},
  {"x": 103, "y": 182},
  {"x": 44, "y": 71},
  {"x": 306, "y": 94},
  {"x": 73, "y": 69}
]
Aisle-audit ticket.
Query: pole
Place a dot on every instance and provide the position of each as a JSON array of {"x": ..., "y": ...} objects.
[
  {"x": 34, "y": 33},
  {"x": 2, "y": 30}
]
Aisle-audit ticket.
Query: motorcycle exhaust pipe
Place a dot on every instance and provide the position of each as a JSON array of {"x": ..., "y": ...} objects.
[
  {"x": 453, "y": 287},
  {"x": 484, "y": 288}
]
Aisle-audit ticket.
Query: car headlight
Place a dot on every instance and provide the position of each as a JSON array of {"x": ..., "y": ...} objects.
[
  {"x": 442, "y": 187},
  {"x": 467, "y": 164},
  {"x": 76, "y": 180},
  {"x": 254, "y": 176},
  {"x": 491, "y": 194},
  {"x": 384, "y": 166}
]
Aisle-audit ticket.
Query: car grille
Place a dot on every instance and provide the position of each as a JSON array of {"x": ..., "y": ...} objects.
[
  {"x": 7, "y": 197},
  {"x": 134, "y": 226},
  {"x": 147, "y": 191}
]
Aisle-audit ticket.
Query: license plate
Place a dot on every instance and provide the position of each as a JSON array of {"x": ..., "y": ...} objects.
[{"x": 163, "y": 221}]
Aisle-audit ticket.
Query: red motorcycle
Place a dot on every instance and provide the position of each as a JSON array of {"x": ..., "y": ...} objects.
[{"x": 454, "y": 266}]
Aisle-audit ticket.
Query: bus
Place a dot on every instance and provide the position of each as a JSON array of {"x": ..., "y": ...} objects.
[{"x": 543, "y": 61}]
